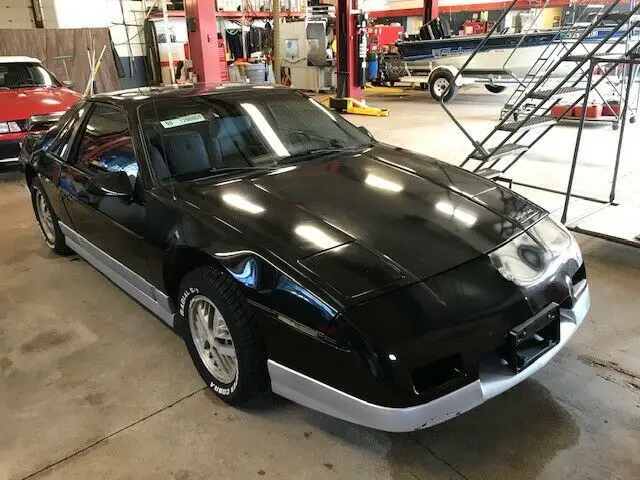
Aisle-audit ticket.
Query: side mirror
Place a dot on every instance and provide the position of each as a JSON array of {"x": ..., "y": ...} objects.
[
  {"x": 111, "y": 184},
  {"x": 365, "y": 130},
  {"x": 68, "y": 83}
]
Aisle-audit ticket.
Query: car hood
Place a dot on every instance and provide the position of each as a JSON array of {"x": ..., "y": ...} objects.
[
  {"x": 415, "y": 214},
  {"x": 21, "y": 103}
]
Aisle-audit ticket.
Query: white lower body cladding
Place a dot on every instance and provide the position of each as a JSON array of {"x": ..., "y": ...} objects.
[{"x": 495, "y": 378}]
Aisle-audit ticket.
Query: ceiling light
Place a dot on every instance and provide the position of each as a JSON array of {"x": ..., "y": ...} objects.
[
  {"x": 316, "y": 236},
  {"x": 379, "y": 182},
  {"x": 465, "y": 217},
  {"x": 266, "y": 130},
  {"x": 241, "y": 203},
  {"x": 322, "y": 109},
  {"x": 283, "y": 170},
  {"x": 460, "y": 215},
  {"x": 445, "y": 207}
]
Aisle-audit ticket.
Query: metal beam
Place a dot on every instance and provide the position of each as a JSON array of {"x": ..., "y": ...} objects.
[
  {"x": 430, "y": 10},
  {"x": 347, "y": 36},
  {"x": 203, "y": 40}
]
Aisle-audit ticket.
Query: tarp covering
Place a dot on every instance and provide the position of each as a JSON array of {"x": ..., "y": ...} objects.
[{"x": 46, "y": 44}]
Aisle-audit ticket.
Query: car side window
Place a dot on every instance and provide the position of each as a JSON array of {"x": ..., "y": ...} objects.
[
  {"x": 62, "y": 142},
  {"x": 106, "y": 144}
]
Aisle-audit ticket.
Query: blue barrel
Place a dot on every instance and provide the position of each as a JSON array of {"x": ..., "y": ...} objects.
[{"x": 372, "y": 66}]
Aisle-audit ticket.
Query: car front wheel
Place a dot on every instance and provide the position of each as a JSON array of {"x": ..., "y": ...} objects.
[
  {"x": 47, "y": 219},
  {"x": 224, "y": 345}
]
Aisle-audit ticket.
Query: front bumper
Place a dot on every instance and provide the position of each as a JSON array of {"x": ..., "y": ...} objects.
[
  {"x": 494, "y": 379},
  {"x": 10, "y": 145}
]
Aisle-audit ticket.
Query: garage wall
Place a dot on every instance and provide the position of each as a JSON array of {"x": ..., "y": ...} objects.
[
  {"x": 16, "y": 14},
  {"x": 46, "y": 44},
  {"x": 108, "y": 14},
  {"x": 75, "y": 14}
]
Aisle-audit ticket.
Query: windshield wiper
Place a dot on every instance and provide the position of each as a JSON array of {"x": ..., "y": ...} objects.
[
  {"x": 215, "y": 172},
  {"x": 315, "y": 152},
  {"x": 254, "y": 168}
]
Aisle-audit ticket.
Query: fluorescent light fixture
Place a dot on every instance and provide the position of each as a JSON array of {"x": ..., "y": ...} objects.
[
  {"x": 445, "y": 207},
  {"x": 379, "y": 182},
  {"x": 241, "y": 203},
  {"x": 283, "y": 170},
  {"x": 316, "y": 236},
  {"x": 465, "y": 217},
  {"x": 392, "y": 357},
  {"x": 322, "y": 109},
  {"x": 460, "y": 215},
  {"x": 265, "y": 130},
  {"x": 398, "y": 166}
]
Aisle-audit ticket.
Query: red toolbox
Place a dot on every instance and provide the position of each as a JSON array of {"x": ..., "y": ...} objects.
[
  {"x": 594, "y": 110},
  {"x": 560, "y": 110},
  {"x": 611, "y": 109}
]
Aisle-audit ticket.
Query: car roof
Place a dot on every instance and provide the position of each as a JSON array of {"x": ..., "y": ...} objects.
[
  {"x": 17, "y": 59},
  {"x": 145, "y": 94}
]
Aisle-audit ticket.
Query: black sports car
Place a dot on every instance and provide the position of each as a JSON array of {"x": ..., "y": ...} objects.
[{"x": 295, "y": 253}]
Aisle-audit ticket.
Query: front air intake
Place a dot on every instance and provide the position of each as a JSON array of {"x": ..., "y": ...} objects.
[{"x": 437, "y": 374}]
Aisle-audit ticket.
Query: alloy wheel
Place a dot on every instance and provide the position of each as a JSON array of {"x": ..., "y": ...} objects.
[
  {"x": 212, "y": 339},
  {"x": 45, "y": 217}
]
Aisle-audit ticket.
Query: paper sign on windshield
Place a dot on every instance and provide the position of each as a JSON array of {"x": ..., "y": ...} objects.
[{"x": 180, "y": 121}]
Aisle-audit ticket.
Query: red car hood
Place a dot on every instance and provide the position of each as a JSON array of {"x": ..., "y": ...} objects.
[{"x": 21, "y": 103}]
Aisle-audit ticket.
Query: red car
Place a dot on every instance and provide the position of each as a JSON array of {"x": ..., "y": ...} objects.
[{"x": 26, "y": 89}]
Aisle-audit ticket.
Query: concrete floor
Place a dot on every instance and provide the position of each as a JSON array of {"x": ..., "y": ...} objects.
[{"x": 92, "y": 386}]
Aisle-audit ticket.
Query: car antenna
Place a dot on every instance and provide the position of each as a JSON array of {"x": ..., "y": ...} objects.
[
  {"x": 152, "y": 85},
  {"x": 164, "y": 150}
]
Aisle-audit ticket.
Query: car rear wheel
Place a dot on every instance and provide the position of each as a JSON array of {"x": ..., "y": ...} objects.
[
  {"x": 47, "y": 219},
  {"x": 222, "y": 340}
]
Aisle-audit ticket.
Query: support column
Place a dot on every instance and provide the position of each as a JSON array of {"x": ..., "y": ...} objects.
[
  {"x": 430, "y": 11},
  {"x": 347, "y": 44},
  {"x": 203, "y": 39}
]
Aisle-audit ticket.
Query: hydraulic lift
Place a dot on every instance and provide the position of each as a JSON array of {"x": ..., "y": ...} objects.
[{"x": 351, "y": 32}]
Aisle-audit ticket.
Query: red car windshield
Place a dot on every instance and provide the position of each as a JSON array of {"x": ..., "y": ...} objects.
[{"x": 20, "y": 75}]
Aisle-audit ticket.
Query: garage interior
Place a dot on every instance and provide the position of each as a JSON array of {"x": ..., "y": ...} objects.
[{"x": 92, "y": 385}]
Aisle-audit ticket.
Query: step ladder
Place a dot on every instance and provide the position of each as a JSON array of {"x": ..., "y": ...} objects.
[{"x": 529, "y": 111}]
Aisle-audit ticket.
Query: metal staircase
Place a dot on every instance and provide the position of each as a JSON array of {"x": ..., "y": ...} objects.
[
  {"x": 528, "y": 110},
  {"x": 547, "y": 58}
]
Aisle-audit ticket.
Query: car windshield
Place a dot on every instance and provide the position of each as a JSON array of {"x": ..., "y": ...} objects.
[
  {"x": 202, "y": 136},
  {"x": 20, "y": 75}
]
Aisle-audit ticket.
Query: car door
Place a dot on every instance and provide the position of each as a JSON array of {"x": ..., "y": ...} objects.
[
  {"x": 112, "y": 226},
  {"x": 51, "y": 153}
]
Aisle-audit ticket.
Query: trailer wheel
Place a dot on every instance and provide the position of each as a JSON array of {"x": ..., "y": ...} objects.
[
  {"x": 495, "y": 88},
  {"x": 439, "y": 82}
]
